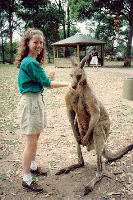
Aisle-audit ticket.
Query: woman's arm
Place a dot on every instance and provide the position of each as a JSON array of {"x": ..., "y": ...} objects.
[{"x": 55, "y": 84}]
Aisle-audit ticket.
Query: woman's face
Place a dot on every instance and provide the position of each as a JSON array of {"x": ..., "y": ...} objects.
[{"x": 35, "y": 45}]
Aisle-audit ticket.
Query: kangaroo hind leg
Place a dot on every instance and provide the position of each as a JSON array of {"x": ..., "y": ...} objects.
[
  {"x": 99, "y": 141},
  {"x": 74, "y": 166}
]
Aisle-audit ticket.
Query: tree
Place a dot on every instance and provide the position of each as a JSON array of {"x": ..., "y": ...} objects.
[
  {"x": 4, "y": 33},
  {"x": 40, "y": 13},
  {"x": 101, "y": 9},
  {"x": 9, "y": 7},
  {"x": 4, "y": 36},
  {"x": 44, "y": 15}
]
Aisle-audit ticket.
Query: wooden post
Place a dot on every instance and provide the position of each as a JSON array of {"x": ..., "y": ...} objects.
[
  {"x": 54, "y": 53},
  {"x": 78, "y": 53},
  {"x": 103, "y": 54},
  {"x": 57, "y": 52}
]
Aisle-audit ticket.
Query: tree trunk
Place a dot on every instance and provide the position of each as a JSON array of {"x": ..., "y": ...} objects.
[
  {"x": 57, "y": 27},
  {"x": 10, "y": 30},
  {"x": 64, "y": 30},
  {"x": 127, "y": 62},
  {"x": 3, "y": 53},
  {"x": 68, "y": 21},
  {"x": 11, "y": 46}
]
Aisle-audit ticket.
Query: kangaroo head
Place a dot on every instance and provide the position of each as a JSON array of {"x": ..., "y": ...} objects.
[{"x": 78, "y": 74}]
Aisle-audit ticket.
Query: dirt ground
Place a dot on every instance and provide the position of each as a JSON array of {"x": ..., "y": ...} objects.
[{"x": 57, "y": 146}]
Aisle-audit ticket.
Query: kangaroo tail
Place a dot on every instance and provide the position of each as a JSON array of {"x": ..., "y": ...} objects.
[{"x": 116, "y": 155}]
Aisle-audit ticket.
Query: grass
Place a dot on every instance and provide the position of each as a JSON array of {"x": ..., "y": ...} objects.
[
  {"x": 52, "y": 163},
  {"x": 2, "y": 177},
  {"x": 9, "y": 97},
  {"x": 115, "y": 64}
]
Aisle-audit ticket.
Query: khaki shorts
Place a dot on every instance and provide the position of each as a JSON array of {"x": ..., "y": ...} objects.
[{"x": 32, "y": 113}]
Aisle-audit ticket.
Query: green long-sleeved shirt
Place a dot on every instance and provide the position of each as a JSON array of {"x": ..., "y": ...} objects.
[{"x": 31, "y": 76}]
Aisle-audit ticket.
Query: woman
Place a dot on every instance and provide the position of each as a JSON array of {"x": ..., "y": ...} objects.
[
  {"x": 94, "y": 60},
  {"x": 31, "y": 109}
]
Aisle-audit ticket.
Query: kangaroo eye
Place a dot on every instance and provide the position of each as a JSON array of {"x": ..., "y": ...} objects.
[{"x": 78, "y": 77}]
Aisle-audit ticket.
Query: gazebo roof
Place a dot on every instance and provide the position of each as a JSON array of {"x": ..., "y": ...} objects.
[{"x": 81, "y": 39}]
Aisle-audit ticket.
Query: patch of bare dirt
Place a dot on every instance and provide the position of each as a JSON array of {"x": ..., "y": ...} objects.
[{"x": 57, "y": 146}]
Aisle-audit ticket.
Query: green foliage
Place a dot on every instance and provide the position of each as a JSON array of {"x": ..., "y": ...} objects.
[
  {"x": 53, "y": 21},
  {"x": 105, "y": 32},
  {"x": 9, "y": 8},
  {"x": 73, "y": 31},
  {"x": 41, "y": 14},
  {"x": 132, "y": 52},
  {"x": 81, "y": 10},
  {"x": 44, "y": 15},
  {"x": 103, "y": 12},
  {"x": 7, "y": 51}
]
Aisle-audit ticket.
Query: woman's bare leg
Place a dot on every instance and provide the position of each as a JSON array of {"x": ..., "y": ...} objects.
[{"x": 29, "y": 153}]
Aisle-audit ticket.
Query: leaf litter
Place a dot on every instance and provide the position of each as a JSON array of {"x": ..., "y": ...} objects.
[{"x": 57, "y": 146}]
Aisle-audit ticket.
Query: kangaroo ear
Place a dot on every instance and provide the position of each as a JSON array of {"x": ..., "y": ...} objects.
[
  {"x": 74, "y": 60},
  {"x": 84, "y": 60}
]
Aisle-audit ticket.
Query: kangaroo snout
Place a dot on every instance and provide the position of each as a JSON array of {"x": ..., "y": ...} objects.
[{"x": 74, "y": 86}]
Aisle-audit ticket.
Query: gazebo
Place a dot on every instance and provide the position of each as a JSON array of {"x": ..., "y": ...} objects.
[{"x": 78, "y": 42}]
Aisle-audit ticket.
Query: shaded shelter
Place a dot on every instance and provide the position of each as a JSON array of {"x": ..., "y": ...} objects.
[{"x": 78, "y": 42}]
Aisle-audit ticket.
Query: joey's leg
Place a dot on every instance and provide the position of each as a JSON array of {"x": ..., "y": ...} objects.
[{"x": 74, "y": 166}]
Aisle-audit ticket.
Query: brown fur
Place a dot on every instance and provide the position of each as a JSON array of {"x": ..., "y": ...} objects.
[{"x": 90, "y": 122}]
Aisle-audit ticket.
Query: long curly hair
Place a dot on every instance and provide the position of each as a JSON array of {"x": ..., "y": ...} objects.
[{"x": 23, "y": 48}]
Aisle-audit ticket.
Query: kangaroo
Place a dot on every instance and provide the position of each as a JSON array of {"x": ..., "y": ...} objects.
[{"x": 89, "y": 121}]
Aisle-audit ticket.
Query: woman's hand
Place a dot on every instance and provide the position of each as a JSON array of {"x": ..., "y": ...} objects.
[{"x": 69, "y": 86}]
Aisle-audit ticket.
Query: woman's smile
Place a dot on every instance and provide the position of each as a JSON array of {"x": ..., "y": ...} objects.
[{"x": 35, "y": 46}]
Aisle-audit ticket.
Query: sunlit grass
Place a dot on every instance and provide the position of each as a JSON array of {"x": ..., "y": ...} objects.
[{"x": 9, "y": 97}]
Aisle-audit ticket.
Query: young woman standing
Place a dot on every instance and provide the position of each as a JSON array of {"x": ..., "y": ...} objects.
[{"x": 31, "y": 109}]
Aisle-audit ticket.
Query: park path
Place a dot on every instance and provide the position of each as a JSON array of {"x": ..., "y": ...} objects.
[
  {"x": 121, "y": 70},
  {"x": 107, "y": 69}
]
